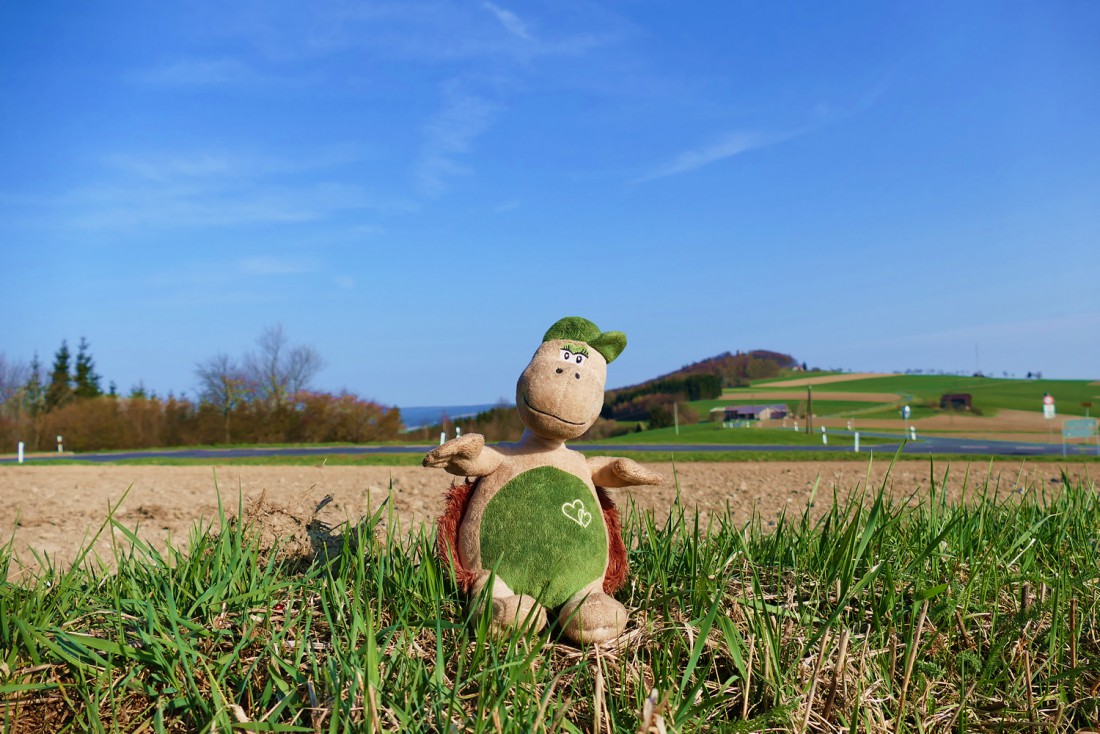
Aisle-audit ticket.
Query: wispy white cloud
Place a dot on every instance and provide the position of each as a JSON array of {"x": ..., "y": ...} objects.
[
  {"x": 424, "y": 31},
  {"x": 193, "y": 189},
  {"x": 136, "y": 207},
  {"x": 250, "y": 71},
  {"x": 511, "y": 22},
  {"x": 209, "y": 282},
  {"x": 736, "y": 143},
  {"x": 167, "y": 190},
  {"x": 728, "y": 146},
  {"x": 165, "y": 167},
  {"x": 462, "y": 117}
]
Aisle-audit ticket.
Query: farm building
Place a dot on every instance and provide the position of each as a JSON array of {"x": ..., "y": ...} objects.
[
  {"x": 754, "y": 412},
  {"x": 955, "y": 401}
]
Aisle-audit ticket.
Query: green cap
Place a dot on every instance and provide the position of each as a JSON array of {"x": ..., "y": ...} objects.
[{"x": 608, "y": 343}]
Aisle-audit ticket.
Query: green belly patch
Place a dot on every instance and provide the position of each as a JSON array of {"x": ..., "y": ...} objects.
[{"x": 543, "y": 534}]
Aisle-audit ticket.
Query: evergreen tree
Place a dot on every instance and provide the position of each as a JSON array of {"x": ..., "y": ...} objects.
[
  {"x": 60, "y": 390},
  {"x": 34, "y": 394},
  {"x": 34, "y": 398},
  {"x": 85, "y": 377}
]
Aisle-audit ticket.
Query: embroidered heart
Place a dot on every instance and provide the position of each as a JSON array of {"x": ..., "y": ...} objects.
[{"x": 575, "y": 511}]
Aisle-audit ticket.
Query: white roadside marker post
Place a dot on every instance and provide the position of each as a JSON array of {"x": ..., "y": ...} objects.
[
  {"x": 458, "y": 431},
  {"x": 20, "y": 452},
  {"x": 824, "y": 437},
  {"x": 442, "y": 438},
  {"x": 60, "y": 448},
  {"x": 857, "y": 442},
  {"x": 912, "y": 433}
]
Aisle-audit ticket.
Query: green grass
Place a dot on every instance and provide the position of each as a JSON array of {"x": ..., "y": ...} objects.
[
  {"x": 891, "y": 412},
  {"x": 822, "y": 408},
  {"x": 989, "y": 393},
  {"x": 878, "y": 616},
  {"x": 715, "y": 433}
]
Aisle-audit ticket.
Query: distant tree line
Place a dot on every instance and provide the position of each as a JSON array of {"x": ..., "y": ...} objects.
[
  {"x": 640, "y": 401},
  {"x": 653, "y": 401},
  {"x": 650, "y": 404},
  {"x": 263, "y": 397},
  {"x": 499, "y": 423},
  {"x": 737, "y": 370},
  {"x": 502, "y": 423}
]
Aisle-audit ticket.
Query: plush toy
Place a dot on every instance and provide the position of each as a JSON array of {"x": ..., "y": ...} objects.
[{"x": 536, "y": 520}]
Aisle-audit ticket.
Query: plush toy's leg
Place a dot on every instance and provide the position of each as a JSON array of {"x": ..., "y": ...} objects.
[
  {"x": 592, "y": 616},
  {"x": 509, "y": 608}
]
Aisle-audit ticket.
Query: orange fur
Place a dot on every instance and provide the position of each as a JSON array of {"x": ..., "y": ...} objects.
[
  {"x": 617, "y": 565},
  {"x": 446, "y": 542}
]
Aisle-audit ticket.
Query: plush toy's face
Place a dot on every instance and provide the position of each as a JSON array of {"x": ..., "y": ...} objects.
[{"x": 560, "y": 394}]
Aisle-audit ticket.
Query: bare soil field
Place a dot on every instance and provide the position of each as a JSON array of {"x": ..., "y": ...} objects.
[
  {"x": 827, "y": 379},
  {"x": 1006, "y": 421},
  {"x": 56, "y": 510}
]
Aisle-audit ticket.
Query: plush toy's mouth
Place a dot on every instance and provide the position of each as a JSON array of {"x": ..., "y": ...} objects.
[{"x": 549, "y": 415}]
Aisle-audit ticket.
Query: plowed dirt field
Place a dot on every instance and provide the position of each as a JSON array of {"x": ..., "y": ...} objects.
[{"x": 56, "y": 510}]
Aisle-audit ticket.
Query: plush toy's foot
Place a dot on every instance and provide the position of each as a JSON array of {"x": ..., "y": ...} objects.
[
  {"x": 594, "y": 618},
  {"x": 518, "y": 610}
]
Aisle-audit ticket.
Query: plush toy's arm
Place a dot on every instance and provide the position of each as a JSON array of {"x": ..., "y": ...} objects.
[
  {"x": 467, "y": 456},
  {"x": 609, "y": 472}
]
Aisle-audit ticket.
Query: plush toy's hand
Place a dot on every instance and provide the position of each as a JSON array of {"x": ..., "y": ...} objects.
[
  {"x": 610, "y": 472},
  {"x": 465, "y": 456},
  {"x": 458, "y": 449}
]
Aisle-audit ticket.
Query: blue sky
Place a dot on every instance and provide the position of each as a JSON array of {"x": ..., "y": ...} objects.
[{"x": 418, "y": 190}]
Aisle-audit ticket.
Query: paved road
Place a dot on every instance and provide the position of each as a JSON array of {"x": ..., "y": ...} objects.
[{"x": 922, "y": 447}]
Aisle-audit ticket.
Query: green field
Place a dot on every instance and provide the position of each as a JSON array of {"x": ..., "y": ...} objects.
[
  {"x": 930, "y": 616},
  {"x": 714, "y": 433},
  {"x": 822, "y": 408},
  {"x": 873, "y": 411},
  {"x": 989, "y": 393}
]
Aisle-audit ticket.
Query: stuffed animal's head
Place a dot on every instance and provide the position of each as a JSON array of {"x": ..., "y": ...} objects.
[{"x": 560, "y": 394}]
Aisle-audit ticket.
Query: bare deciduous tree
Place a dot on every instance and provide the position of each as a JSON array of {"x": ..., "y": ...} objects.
[
  {"x": 222, "y": 384},
  {"x": 13, "y": 376},
  {"x": 277, "y": 371}
]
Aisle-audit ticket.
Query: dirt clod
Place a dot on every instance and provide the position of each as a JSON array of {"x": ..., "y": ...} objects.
[{"x": 294, "y": 534}]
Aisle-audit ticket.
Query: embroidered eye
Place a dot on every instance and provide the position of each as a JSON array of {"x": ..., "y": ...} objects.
[
  {"x": 580, "y": 359},
  {"x": 566, "y": 355}
]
